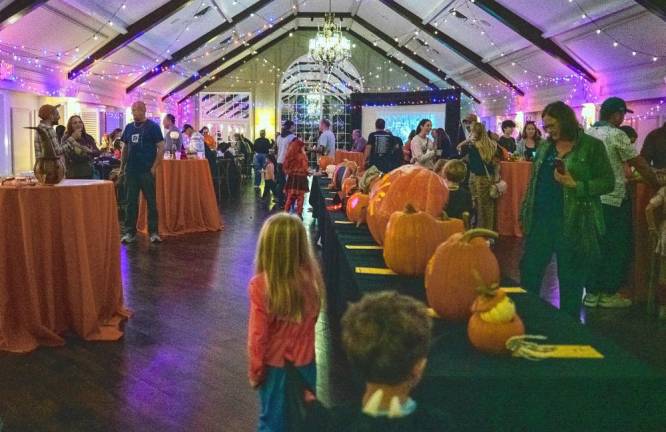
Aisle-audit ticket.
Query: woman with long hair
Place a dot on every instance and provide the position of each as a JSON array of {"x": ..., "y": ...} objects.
[
  {"x": 83, "y": 149},
  {"x": 443, "y": 146},
  {"x": 562, "y": 214},
  {"x": 483, "y": 166},
  {"x": 529, "y": 140},
  {"x": 423, "y": 149}
]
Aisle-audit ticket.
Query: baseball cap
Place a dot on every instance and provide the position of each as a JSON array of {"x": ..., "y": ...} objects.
[
  {"x": 615, "y": 104},
  {"x": 46, "y": 110}
]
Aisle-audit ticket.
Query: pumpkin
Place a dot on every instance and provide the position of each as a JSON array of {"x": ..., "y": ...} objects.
[
  {"x": 449, "y": 226},
  {"x": 325, "y": 161},
  {"x": 357, "y": 207},
  {"x": 369, "y": 177},
  {"x": 418, "y": 231},
  {"x": 342, "y": 171},
  {"x": 456, "y": 270},
  {"x": 348, "y": 186},
  {"x": 422, "y": 188},
  {"x": 494, "y": 321},
  {"x": 330, "y": 170}
]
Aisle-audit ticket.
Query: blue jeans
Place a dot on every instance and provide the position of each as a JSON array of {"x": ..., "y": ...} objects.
[
  {"x": 272, "y": 395},
  {"x": 259, "y": 163}
]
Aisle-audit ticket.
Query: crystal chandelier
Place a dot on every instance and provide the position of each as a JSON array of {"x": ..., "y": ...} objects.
[{"x": 329, "y": 47}]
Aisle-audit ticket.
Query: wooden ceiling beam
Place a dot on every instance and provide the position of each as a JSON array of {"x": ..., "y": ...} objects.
[
  {"x": 533, "y": 34},
  {"x": 657, "y": 7},
  {"x": 190, "y": 48},
  {"x": 134, "y": 30},
  {"x": 451, "y": 43},
  {"x": 17, "y": 10}
]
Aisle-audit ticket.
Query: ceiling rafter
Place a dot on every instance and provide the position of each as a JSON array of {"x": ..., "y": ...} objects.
[
  {"x": 657, "y": 7},
  {"x": 134, "y": 30},
  {"x": 451, "y": 43},
  {"x": 17, "y": 10},
  {"x": 533, "y": 34},
  {"x": 258, "y": 51},
  {"x": 188, "y": 49}
]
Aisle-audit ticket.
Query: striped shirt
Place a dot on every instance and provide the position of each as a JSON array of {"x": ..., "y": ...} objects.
[{"x": 620, "y": 150}]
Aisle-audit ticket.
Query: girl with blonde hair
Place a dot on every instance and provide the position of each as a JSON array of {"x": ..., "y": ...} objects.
[
  {"x": 285, "y": 297},
  {"x": 483, "y": 166}
]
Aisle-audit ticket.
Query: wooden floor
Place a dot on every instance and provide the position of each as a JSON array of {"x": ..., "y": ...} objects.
[{"x": 181, "y": 365}]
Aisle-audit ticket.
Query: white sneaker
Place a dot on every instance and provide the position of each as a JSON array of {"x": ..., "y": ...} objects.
[
  {"x": 613, "y": 301},
  {"x": 128, "y": 238},
  {"x": 591, "y": 300},
  {"x": 155, "y": 238}
]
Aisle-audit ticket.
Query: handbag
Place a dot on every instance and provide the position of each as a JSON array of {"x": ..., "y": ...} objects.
[{"x": 498, "y": 186}]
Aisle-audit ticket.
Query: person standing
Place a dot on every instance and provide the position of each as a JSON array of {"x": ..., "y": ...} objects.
[
  {"x": 173, "y": 140},
  {"x": 209, "y": 139},
  {"x": 654, "y": 148},
  {"x": 195, "y": 140},
  {"x": 358, "y": 141},
  {"x": 443, "y": 146},
  {"x": 380, "y": 149},
  {"x": 287, "y": 135},
  {"x": 261, "y": 148},
  {"x": 326, "y": 139},
  {"x": 561, "y": 213},
  {"x": 296, "y": 169},
  {"x": 49, "y": 117},
  {"x": 423, "y": 148},
  {"x": 141, "y": 156},
  {"x": 82, "y": 149},
  {"x": 482, "y": 153},
  {"x": 507, "y": 141},
  {"x": 529, "y": 141},
  {"x": 616, "y": 242}
]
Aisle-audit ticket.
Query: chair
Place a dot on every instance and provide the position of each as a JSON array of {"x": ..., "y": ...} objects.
[{"x": 223, "y": 178}]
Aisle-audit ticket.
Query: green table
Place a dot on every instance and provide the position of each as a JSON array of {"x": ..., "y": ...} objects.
[{"x": 484, "y": 392}]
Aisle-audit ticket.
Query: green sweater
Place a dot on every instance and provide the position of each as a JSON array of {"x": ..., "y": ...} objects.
[{"x": 589, "y": 166}]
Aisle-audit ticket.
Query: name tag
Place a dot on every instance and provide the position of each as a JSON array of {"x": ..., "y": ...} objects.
[{"x": 174, "y": 135}]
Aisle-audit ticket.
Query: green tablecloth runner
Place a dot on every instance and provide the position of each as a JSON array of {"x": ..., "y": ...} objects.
[{"x": 485, "y": 392}]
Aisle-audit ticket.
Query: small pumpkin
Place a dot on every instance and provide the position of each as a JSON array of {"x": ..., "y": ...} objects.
[
  {"x": 325, "y": 161},
  {"x": 342, "y": 171},
  {"x": 368, "y": 179},
  {"x": 357, "y": 207},
  {"x": 411, "y": 238},
  {"x": 449, "y": 226},
  {"x": 453, "y": 273},
  {"x": 493, "y": 321},
  {"x": 348, "y": 186},
  {"x": 424, "y": 189}
]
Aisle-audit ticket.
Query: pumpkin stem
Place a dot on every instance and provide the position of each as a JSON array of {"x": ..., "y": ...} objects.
[
  {"x": 479, "y": 232},
  {"x": 466, "y": 221},
  {"x": 445, "y": 216},
  {"x": 409, "y": 209},
  {"x": 483, "y": 288}
]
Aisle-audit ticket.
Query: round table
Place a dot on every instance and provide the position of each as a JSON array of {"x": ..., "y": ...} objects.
[
  {"x": 517, "y": 177},
  {"x": 186, "y": 201},
  {"x": 358, "y": 157},
  {"x": 60, "y": 265}
]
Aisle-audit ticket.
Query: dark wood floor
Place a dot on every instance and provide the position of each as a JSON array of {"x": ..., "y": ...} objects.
[{"x": 181, "y": 365}]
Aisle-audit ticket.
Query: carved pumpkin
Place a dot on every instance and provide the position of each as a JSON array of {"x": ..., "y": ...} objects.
[
  {"x": 454, "y": 271},
  {"x": 357, "y": 207},
  {"x": 416, "y": 229},
  {"x": 348, "y": 186},
  {"x": 422, "y": 188},
  {"x": 494, "y": 321},
  {"x": 368, "y": 179},
  {"x": 342, "y": 171},
  {"x": 325, "y": 161}
]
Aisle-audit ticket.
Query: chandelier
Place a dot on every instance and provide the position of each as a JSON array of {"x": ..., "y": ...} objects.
[{"x": 329, "y": 47}]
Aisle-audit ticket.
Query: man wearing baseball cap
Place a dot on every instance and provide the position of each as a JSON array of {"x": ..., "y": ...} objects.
[
  {"x": 49, "y": 117},
  {"x": 616, "y": 242}
]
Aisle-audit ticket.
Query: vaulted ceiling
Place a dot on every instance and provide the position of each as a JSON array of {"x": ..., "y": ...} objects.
[{"x": 175, "y": 47}]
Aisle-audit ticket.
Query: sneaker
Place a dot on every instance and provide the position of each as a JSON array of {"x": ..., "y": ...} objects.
[
  {"x": 591, "y": 300},
  {"x": 613, "y": 301},
  {"x": 128, "y": 238},
  {"x": 154, "y": 238}
]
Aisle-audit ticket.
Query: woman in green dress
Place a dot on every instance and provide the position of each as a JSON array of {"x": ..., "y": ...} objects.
[{"x": 561, "y": 214}]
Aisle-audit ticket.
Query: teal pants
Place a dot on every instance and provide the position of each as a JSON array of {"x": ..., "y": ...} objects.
[{"x": 272, "y": 396}]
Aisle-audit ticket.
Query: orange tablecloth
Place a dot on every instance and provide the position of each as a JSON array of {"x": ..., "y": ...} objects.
[
  {"x": 186, "y": 200},
  {"x": 517, "y": 177},
  {"x": 358, "y": 157},
  {"x": 59, "y": 264}
]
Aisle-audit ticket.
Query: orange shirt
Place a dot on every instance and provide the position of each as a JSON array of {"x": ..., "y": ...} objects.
[
  {"x": 210, "y": 142},
  {"x": 272, "y": 340}
]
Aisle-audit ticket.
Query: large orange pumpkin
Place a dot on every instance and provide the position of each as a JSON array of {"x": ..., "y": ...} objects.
[
  {"x": 357, "y": 207},
  {"x": 325, "y": 161},
  {"x": 422, "y": 188},
  {"x": 411, "y": 239},
  {"x": 493, "y": 322},
  {"x": 456, "y": 269}
]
